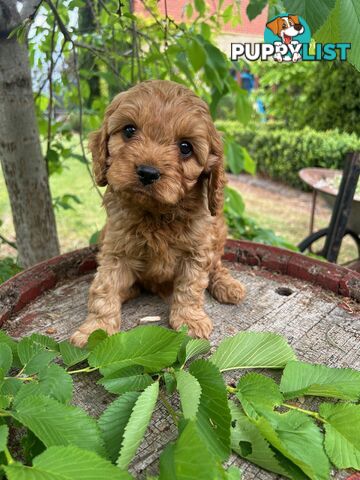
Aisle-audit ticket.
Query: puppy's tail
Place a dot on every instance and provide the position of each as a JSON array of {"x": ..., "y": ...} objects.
[{"x": 223, "y": 287}]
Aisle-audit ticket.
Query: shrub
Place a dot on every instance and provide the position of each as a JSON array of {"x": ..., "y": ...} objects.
[{"x": 280, "y": 153}]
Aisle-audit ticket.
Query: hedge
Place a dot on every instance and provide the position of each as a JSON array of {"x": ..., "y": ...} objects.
[{"x": 280, "y": 153}]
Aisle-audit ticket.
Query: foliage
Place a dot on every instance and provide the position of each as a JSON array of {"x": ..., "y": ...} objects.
[
  {"x": 8, "y": 268},
  {"x": 322, "y": 95},
  {"x": 280, "y": 154},
  {"x": 61, "y": 440},
  {"x": 243, "y": 227}
]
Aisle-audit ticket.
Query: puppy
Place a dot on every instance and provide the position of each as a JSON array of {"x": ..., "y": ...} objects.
[
  {"x": 286, "y": 28},
  {"x": 161, "y": 158}
]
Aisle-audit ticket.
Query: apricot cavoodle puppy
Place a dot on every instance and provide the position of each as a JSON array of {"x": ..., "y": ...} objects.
[{"x": 161, "y": 158}]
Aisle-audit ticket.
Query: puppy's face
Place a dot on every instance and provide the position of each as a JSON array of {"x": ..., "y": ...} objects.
[{"x": 156, "y": 143}]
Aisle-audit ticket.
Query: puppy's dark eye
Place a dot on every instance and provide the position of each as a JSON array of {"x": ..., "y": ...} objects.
[
  {"x": 129, "y": 131},
  {"x": 186, "y": 149}
]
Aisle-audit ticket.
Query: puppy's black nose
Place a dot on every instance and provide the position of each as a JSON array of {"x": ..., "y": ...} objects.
[
  {"x": 147, "y": 174},
  {"x": 298, "y": 27}
]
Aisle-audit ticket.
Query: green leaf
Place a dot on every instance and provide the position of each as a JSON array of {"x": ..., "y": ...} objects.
[
  {"x": 189, "y": 458},
  {"x": 150, "y": 346},
  {"x": 4, "y": 433},
  {"x": 137, "y": 424},
  {"x": 257, "y": 392},
  {"x": 113, "y": 421},
  {"x": 254, "y": 8},
  {"x": 66, "y": 463},
  {"x": 128, "y": 379},
  {"x": 342, "y": 439},
  {"x": 314, "y": 12},
  {"x": 200, "y": 6},
  {"x": 6, "y": 357},
  {"x": 72, "y": 355},
  {"x": 53, "y": 382},
  {"x": 57, "y": 424},
  {"x": 197, "y": 54},
  {"x": 190, "y": 391},
  {"x": 296, "y": 436},
  {"x": 39, "y": 360},
  {"x": 349, "y": 25},
  {"x": 192, "y": 347},
  {"x": 213, "y": 411},
  {"x": 4, "y": 338},
  {"x": 31, "y": 348},
  {"x": 252, "y": 350},
  {"x": 95, "y": 338},
  {"x": 247, "y": 441},
  {"x": 300, "y": 378},
  {"x": 330, "y": 31},
  {"x": 233, "y": 201}
]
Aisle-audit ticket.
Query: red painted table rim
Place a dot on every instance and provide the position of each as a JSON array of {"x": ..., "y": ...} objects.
[{"x": 26, "y": 286}]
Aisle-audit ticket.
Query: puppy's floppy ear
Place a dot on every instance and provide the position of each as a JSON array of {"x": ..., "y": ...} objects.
[
  {"x": 275, "y": 26},
  {"x": 99, "y": 150},
  {"x": 98, "y": 144},
  {"x": 295, "y": 19},
  {"x": 217, "y": 179}
]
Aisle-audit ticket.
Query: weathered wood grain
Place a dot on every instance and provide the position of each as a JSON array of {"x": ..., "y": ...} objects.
[{"x": 310, "y": 318}]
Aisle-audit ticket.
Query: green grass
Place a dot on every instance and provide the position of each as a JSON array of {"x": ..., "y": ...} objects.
[{"x": 74, "y": 226}]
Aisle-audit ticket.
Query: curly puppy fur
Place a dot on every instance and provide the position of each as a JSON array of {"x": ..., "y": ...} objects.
[{"x": 167, "y": 236}]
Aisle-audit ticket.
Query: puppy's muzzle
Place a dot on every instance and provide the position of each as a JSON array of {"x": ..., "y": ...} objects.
[{"x": 147, "y": 174}]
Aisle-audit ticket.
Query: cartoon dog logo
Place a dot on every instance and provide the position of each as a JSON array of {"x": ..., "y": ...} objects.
[{"x": 286, "y": 27}]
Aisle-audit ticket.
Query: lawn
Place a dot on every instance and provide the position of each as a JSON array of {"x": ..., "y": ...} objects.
[{"x": 74, "y": 226}]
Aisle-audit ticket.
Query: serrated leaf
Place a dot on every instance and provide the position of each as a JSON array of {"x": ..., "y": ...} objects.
[
  {"x": 297, "y": 437},
  {"x": 342, "y": 438},
  {"x": 189, "y": 458},
  {"x": 252, "y": 350},
  {"x": 10, "y": 342},
  {"x": 128, "y": 379},
  {"x": 257, "y": 392},
  {"x": 213, "y": 412},
  {"x": 4, "y": 433},
  {"x": 66, "y": 463},
  {"x": 330, "y": 31},
  {"x": 247, "y": 441},
  {"x": 53, "y": 382},
  {"x": 113, "y": 421},
  {"x": 349, "y": 25},
  {"x": 150, "y": 346},
  {"x": 300, "y": 378},
  {"x": 190, "y": 392},
  {"x": 57, "y": 424},
  {"x": 95, "y": 338},
  {"x": 30, "y": 347},
  {"x": 39, "y": 360},
  {"x": 191, "y": 348},
  {"x": 11, "y": 386},
  {"x": 137, "y": 424},
  {"x": 72, "y": 355},
  {"x": 315, "y": 12},
  {"x": 6, "y": 357}
]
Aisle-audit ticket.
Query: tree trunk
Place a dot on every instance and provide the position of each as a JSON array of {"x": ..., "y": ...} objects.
[{"x": 22, "y": 162}]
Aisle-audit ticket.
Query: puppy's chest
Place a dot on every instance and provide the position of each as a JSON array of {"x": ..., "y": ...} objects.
[{"x": 155, "y": 248}]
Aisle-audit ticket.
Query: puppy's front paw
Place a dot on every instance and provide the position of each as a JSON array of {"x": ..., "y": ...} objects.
[
  {"x": 199, "y": 323},
  {"x": 80, "y": 337}
]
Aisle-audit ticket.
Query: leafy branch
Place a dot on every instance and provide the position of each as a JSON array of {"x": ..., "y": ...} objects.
[{"x": 149, "y": 363}]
